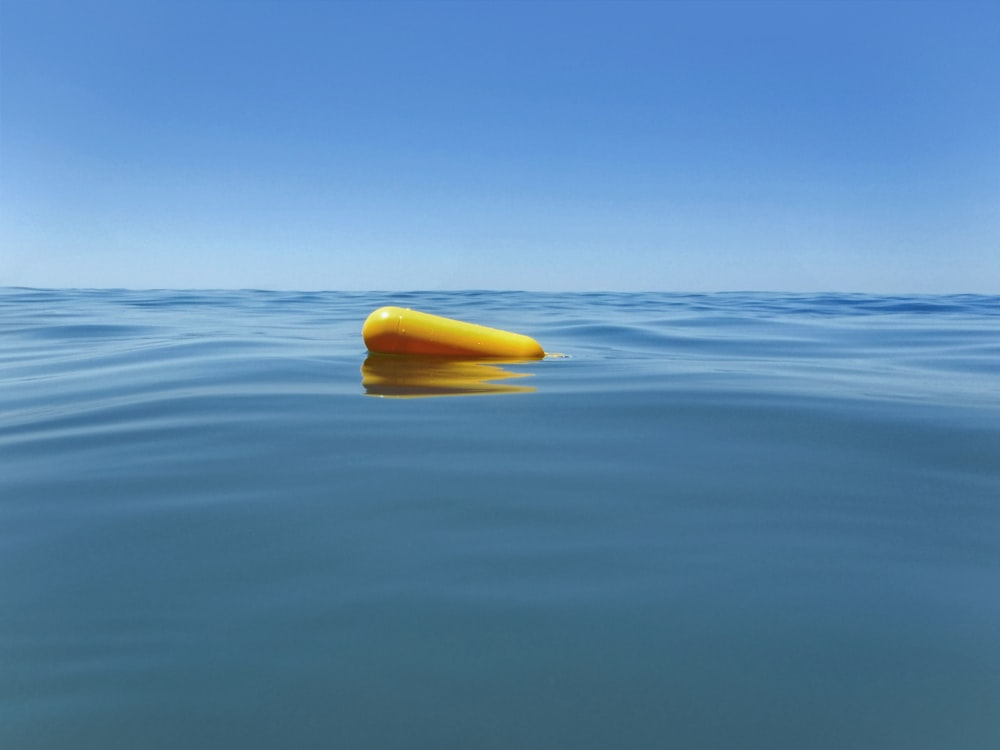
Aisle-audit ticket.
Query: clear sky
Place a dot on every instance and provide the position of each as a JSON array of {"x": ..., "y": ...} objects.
[{"x": 701, "y": 146}]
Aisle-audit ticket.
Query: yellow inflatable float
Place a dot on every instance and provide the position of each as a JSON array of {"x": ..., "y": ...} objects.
[{"x": 399, "y": 330}]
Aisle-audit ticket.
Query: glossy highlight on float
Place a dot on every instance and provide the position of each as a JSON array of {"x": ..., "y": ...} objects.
[{"x": 398, "y": 330}]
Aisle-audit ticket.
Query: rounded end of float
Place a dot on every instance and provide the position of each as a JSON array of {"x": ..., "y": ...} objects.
[
  {"x": 527, "y": 348},
  {"x": 381, "y": 329}
]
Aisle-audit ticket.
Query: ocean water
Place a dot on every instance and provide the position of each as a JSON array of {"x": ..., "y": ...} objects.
[{"x": 720, "y": 521}]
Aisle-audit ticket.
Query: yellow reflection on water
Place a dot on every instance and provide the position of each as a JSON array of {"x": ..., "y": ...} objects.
[{"x": 407, "y": 376}]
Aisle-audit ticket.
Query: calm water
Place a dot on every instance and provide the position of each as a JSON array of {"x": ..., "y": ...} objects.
[{"x": 722, "y": 521}]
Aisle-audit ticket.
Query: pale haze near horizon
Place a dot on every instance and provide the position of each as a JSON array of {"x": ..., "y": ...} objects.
[{"x": 538, "y": 146}]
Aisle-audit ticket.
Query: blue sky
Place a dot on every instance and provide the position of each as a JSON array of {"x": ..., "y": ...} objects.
[{"x": 704, "y": 146}]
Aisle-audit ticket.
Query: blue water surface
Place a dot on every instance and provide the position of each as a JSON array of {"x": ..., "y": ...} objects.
[{"x": 721, "y": 521}]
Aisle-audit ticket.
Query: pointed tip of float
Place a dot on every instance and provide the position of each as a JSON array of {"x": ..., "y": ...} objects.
[{"x": 398, "y": 330}]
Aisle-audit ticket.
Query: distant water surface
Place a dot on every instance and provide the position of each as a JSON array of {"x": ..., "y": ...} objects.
[{"x": 721, "y": 521}]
